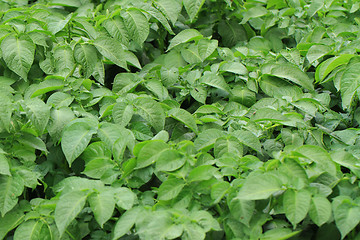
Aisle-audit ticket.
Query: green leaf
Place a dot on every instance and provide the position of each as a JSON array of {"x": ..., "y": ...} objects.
[
  {"x": 330, "y": 64},
  {"x": 279, "y": 234},
  {"x": 268, "y": 114},
  {"x": 158, "y": 16},
  {"x": 201, "y": 173},
  {"x": 156, "y": 87},
  {"x": 18, "y": 54},
  {"x": 205, "y": 220},
  {"x": 231, "y": 32},
  {"x": 117, "y": 29},
  {"x": 64, "y": 60},
  {"x": 317, "y": 51},
  {"x": 150, "y": 152},
  {"x": 102, "y": 204},
  {"x": 206, "y": 47},
  {"x": 124, "y": 198},
  {"x": 86, "y": 55},
  {"x": 60, "y": 118},
  {"x": 122, "y": 113},
  {"x": 29, "y": 230},
  {"x": 32, "y": 141},
  {"x": 111, "y": 49},
  {"x": 151, "y": 111},
  {"x": 207, "y": 138},
  {"x": 38, "y": 113},
  {"x": 97, "y": 167},
  {"x": 248, "y": 138},
  {"x": 218, "y": 191},
  {"x": 347, "y": 217},
  {"x": 170, "y": 188},
  {"x": 76, "y": 136},
  {"x": 242, "y": 210},
  {"x": 349, "y": 84},
  {"x": 60, "y": 99},
  {"x": 260, "y": 187},
  {"x": 170, "y": 8},
  {"x": 68, "y": 207},
  {"x": 234, "y": 67},
  {"x": 291, "y": 73},
  {"x": 136, "y": 24},
  {"x": 10, "y": 189},
  {"x": 228, "y": 144},
  {"x": 192, "y": 7},
  {"x": 4, "y": 165},
  {"x": 253, "y": 12},
  {"x": 6, "y": 110},
  {"x": 169, "y": 160},
  {"x": 126, "y": 222},
  {"x": 191, "y": 54},
  {"x": 10, "y": 221},
  {"x": 185, "y": 117},
  {"x": 215, "y": 80},
  {"x": 276, "y": 87},
  {"x": 50, "y": 84},
  {"x": 320, "y": 156},
  {"x": 296, "y": 205},
  {"x": 320, "y": 210},
  {"x": 184, "y": 36},
  {"x": 57, "y": 23}
]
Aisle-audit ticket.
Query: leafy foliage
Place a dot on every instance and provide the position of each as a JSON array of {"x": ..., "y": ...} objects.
[{"x": 170, "y": 119}]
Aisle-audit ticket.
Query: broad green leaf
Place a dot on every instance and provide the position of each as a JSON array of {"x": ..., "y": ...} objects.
[
  {"x": 117, "y": 29},
  {"x": 111, "y": 49},
  {"x": 185, "y": 117},
  {"x": 215, "y": 80},
  {"x": 169, "y": 160},
  {"x": 206, "y": 139},
  {"x": 86, "y": 55},
  {"x": 243, "y": 95},
  {"x": 6, "y": 110},
  {"x": 347, "y": 217},
  {"x": 191, "y": 54},
  {"x": 260, "y": 187},
  {"x": 158, "y": 16},
  {"x": 11, "y": 187},
  {"x": 193, "y": 231},
  {"x": 330, "y": 64},
  {"x": 231, "y": 32},
  {"x": 253, "y": 12},
  {"x": 242, "y": 210},
  {"x": 156, "y": 87},
  {"x": 102, "y": 204},
  {"x": 57, "y": 23},
  {"x": 124, "y": 198},
  {"x": 126, "y": 222},
  {"x": 295, "y": 172},
  {"x": 347, "y": 160},
  {"x": 206, "y": 47},
  {"x": 76, "y": 136},
  {"x": 68, "y": 207},
  {"x": 320, "y": 210},
  {"x": 201, "y": 173},
  {"x": 193, "y": 7},
  {"x": 64, "y": 60},
  {"x": 320, "y": 156},
  {"x": 199, "y": 93},
  {"x": 234, "y": 67},
  {"x": 170, "y": 8},
  {"x": 60, "y": 118},
  {"x": 151, "y": 111},
  {"x": 38, "y": 113},
  {"x": 228, "y": 144},
  {"x": 276, "y": 87},
  {"x": 218, "y": 190},
  {"x": 268, "y": 114},
  {"x": 60, "y": 99},
  {"x": 150, "y": 152},
  {"x": 248, "y": 138},
  {"x": 291, "y": 73},
  {"x": 10, "y": 221},
  {"x": 205, "y": 220},
  {"x": 70, "y": 184},
  {"x": 136, "y": 24},
  {"x": 317, "y": 51},
  {"x": 50, "y": 84},
  {"x": 122, "y": 113},
  {"x": 97, "y": 167},
  {"x": 279, "y": 234},
  {"x": 170, "y": 188},
  {"x": 296, "y": 205},
  {"x": 32, "y": 141},
  {"x": 4, "y": 165},
  {"x": 18, "y": 54},
  {"x": 29, "y": 230},
  {"x": 184, "y": 36},
  {"x": 349, "y": 84}
]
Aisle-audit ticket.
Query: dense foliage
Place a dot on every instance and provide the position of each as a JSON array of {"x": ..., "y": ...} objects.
[{"x": 179, "y": 119}]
